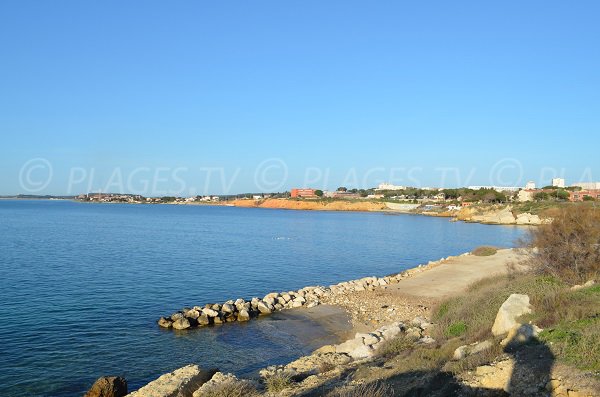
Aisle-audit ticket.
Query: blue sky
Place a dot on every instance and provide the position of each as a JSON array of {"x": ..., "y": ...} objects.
[{"x": 152, "y": 97}]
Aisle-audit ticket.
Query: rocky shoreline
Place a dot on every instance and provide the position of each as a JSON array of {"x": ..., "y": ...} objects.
[
  {"x": 241, "y": 310},
  {"x": 385, "y": 311}
]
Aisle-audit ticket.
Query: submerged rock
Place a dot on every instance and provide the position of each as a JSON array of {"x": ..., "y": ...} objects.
[{"x": 108, "y": 386}]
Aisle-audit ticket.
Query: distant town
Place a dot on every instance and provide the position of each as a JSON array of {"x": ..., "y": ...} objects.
[{"x": 557, "y": 190}]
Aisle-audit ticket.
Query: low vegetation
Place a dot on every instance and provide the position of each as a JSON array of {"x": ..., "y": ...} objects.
[
  {"x": 395, "y": 346},
  {"x": 231, "y": 388},
  {"x": 484, "y": 251},
  {"x": 364, "y": 390},
  {"x": 278, "y": 382}
]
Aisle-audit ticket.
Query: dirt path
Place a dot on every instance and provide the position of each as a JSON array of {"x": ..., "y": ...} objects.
[
  {"x": 421, "y": 291},
  {"x": 454, "y": 275}
]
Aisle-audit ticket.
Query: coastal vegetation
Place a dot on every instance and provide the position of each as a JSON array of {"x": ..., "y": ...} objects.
[
  {"x": 484, "y": 251},
  {"x": 569, "y": 248}
]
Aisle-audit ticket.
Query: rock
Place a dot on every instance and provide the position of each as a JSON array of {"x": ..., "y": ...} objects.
[
  {"x": 165, "y": 322},
  {"x": 192, "y": 314},
  {"x": 515, "y": 306},
  {"x": 468, "y": 350},
  {"x": 228, "y": 308},
  {"x": 263, "y": 308},
  {"x": 216, "y": 380},
  {"x": 177, "y": 316},
  {"x": 368, "y": 339},
  {"x": 363, "y": 351},
  {"x": 325, "y": 349},
  {"x": 349, "y": 345},
  {"x": 219, "y": 320},
  {"x": 181, "y": 382},
  {"x": 460, "y": 353},
  {"x": 413, "y": 333},
  {"x": 108, "y": 386},
  {"x": 421, "y": 322},
  {"x": 243, "y": 315},
  {"x": 182, "y": 323},
  {"x": 587, "y": 284},
  {"x": 203, "y": 319},
  {"x": 426, "y": 340},
  {"x": 210, "y": 312}
]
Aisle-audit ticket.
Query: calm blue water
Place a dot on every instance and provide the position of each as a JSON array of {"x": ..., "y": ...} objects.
[{"x": 81, "y": 285}]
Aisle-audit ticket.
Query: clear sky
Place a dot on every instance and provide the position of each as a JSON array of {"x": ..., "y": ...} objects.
[{"x": 233, "y": 96}]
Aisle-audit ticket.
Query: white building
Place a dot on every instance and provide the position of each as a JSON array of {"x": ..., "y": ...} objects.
[
  {"x": 530, "y": 185},
  {"x": 558, "y": 182},
  {"x": 588, "y": 185},
  {"x": 389, "y": 186},
  {"x": 496, "y": 188}
]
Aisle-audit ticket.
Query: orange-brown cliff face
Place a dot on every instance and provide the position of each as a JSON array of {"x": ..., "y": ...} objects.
[{"x": 315, "y": 205}]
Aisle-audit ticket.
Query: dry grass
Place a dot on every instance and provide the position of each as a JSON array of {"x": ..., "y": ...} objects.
[
  {"x": 484, "y": 251},
  {"x": 278, "y": 382},
  {"x": 470, "y": 316},
  {"x": 364, "y": 390},
  {"x": 571, "y": 319},
  {"x": 394, "y": 346},
  {"x": 231, "y": 388},
  {"x": 326, "y": 366}
]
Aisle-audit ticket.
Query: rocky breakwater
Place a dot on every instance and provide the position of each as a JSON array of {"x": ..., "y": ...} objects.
[{"x": 247, "y": 309}]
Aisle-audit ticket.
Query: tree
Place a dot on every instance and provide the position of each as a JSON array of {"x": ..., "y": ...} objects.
[
  {"x": 541, "y": 196},
  {"x": 319, "y": 192},
  {"x": 342, "y": 189},
  {"x": 561, "y": 194}
]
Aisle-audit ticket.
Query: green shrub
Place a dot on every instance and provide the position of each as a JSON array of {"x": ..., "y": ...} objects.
[
  {"x": 484, "y": 251},
  {"x": 456, "y": 329}
]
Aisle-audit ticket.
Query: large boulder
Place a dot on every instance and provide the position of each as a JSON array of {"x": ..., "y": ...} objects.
[
  {"x": 108, "y": 386},
  {"x": 181, "y": 382},
  {"x": 514, "y": 307}
]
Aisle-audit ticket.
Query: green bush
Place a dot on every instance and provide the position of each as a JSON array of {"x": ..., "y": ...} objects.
[
  {"x": 456, "y": 329},
  {"x": 484, "y": 251}
]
